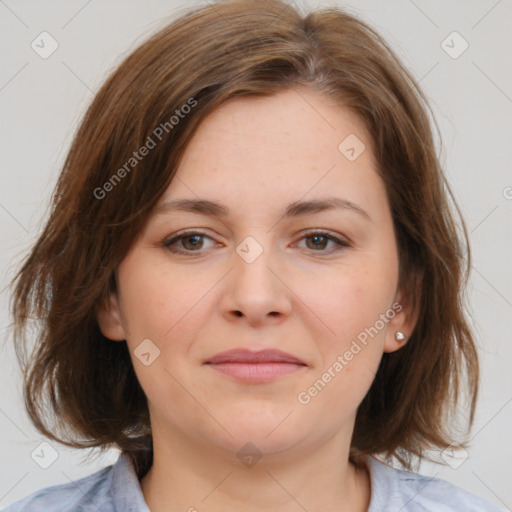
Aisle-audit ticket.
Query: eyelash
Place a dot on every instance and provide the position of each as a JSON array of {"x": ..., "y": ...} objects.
[{"x": 341, "y": 245}]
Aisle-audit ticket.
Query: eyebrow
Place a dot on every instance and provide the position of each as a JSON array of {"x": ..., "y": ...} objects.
[{"x": 295, "y": 209}]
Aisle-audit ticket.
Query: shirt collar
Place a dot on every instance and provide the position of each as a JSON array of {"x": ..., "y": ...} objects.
[{"x": 126, "y": 491}]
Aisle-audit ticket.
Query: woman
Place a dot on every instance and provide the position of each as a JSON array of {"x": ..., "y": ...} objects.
[{"x": 251, "y": 279}]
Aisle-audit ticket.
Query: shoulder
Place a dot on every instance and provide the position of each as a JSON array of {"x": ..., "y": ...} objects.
[
  {"x": 87, "y": 494},
  {"x": 393, "y": 489}
]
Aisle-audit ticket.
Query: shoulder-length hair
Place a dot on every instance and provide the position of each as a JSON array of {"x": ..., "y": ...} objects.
[{"x": 80, "y": 388}]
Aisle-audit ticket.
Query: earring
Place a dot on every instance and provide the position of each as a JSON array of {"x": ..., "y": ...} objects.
[{"x": 399, "y": 336}]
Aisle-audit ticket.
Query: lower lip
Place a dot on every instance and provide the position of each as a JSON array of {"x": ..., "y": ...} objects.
[{"x": 257, "y": 372}]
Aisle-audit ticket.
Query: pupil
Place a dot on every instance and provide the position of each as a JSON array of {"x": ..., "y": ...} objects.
[
  {"x": 197, "y": 239},
  {"x": 316, "y": 238}
]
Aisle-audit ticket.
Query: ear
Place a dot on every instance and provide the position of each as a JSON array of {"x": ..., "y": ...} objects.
[
  {"x": 404, "y": 321},
  {"x": 109, "y": 318}
]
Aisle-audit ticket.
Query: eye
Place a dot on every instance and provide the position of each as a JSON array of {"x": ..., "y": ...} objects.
[
  {"x": 319, "y": 240},
  {"x": 190, "y": 240},
  {"x": 193, "y": 242}
]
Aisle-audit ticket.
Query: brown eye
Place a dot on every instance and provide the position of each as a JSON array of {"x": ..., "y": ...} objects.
[
  {"x": 186, "y": 243},
  {"x": 318, "y": 241},
  {"x": 192, "y": 241}
]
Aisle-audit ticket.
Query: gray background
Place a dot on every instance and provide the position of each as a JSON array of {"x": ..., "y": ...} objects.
[{"x": 41, "y": 101}]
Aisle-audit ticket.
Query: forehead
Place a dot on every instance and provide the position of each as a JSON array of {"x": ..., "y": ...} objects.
[
  {"x": 274, "y": 149},
  {"x": 289, "y": 125}
]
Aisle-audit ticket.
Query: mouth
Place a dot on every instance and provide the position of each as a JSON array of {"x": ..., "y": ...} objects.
[{"x": 256, "y": 367}]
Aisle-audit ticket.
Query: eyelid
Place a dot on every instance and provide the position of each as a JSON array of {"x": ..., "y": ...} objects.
[{"x": 329, "y": 234}]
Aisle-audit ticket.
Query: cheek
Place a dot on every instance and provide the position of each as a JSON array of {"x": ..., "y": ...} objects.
[
  {"x": 350, "y": 335},
  {"x": 157, "y": 300},
  {"x": 349, "y": 300},
  {"x": 162, "y": 306}
]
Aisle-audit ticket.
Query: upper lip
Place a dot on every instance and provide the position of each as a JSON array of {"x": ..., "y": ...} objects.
[{"x": 241, "y": 355}]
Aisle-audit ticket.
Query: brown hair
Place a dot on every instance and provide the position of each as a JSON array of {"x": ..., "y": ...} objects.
[{"x": 85, "y": 382}]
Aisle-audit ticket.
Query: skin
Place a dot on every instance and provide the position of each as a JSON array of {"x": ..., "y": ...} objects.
[{"x": 256, "y": 156}]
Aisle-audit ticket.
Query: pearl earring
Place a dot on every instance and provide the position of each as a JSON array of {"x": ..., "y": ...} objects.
[{"x": 399, "y": 336}]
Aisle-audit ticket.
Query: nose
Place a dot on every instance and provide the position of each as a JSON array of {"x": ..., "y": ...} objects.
[{"x": 256, "y": 290}]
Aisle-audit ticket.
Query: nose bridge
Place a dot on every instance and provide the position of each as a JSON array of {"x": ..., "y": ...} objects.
[
  {"x": 254, "y": 288},
  {"x": 254, "y": 255}
]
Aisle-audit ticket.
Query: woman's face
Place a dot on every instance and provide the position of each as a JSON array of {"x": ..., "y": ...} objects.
[{"x": 318, "y": 283}]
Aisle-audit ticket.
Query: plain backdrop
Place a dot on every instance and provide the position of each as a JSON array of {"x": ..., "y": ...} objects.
[{"x": 42, "y": 100}]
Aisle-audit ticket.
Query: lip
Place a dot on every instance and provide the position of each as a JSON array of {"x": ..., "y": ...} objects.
[
  {"x": 243, "y": 355},
  {"x": 255, "y": 367}
]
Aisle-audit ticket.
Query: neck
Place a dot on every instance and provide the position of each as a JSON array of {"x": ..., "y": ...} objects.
[{"x": 186, "y": 476}]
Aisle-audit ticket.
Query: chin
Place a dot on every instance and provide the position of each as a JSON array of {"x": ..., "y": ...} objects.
[
  {"x": 256, "y": 444},
  {"x": 268, "y": 433}
]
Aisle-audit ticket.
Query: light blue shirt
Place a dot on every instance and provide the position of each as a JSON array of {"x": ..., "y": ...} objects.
[{"x": 116, "y": 488}]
